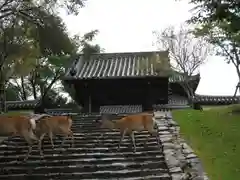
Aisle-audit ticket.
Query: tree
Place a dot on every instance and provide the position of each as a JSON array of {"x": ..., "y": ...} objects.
[
  {"x": 85, "y": 44},
  {"x": 55, "y": 66},
  {"x": 17, "y": 51},
  {"x": 23, "y": 51},
  {"x": 12, "y": 93},
  {"x": 22, "y": 87},
  {"x": 44, "y": 78},
  {"x": 33, "y": 23},
  {"x": 86, "y": 48},
  {"x": 58, "y": 64},
  {"x": 40, "y": 21},
  {"x": 223, "y": 14},
  {"x": 218, "y": 22},
  {"x": 186, "y": 53},
  {"x": 31, "y": 10}
]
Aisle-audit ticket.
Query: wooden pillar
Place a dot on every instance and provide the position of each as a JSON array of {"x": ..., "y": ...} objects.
[
  {"x": 86, "y": 98},
  {"x": 167, "y": 91},
  {"x": 147, "y": 105},
  {"x": 89, "y": 103}
]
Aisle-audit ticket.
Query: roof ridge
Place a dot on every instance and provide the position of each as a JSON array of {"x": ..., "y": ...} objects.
[{"x": 126, "y": 53}]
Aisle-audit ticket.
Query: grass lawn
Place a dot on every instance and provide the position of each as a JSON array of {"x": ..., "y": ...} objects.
[
  {"x": 214, "y": 107},
  {"x": 12, "y": 113},
  {"x": 214, "y": 135}
]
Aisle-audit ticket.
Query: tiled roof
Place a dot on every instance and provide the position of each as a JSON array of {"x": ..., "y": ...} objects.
[
  {"x": 21, "y": 104},
  {"x": 178, "y": 77},
  {"x": 121, "y": 109},
  {"x": 216, "y": 100},
  {"x": 87, "y": 159},
  {"x": 113, "y": 65},
  {"x": 173, "y": 102},
  {"x": 118, "y": 65},
  {"x": 177, "y": 100}
]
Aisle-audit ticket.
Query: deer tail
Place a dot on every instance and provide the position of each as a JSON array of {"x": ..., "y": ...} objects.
[
  {"x": 69, "y": 118},
  {"x": 37, "y": 117},
  {"x": 32, "y": 126},
  {"x": 32, "y": 122},
  {"x": 155, "y": 122}
]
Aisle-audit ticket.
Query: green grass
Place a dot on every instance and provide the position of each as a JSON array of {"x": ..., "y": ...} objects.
[
  {"x": 214, "y": 107},
  {"x": 214, "y": 135},
  {"x": 13, "y": 113}
]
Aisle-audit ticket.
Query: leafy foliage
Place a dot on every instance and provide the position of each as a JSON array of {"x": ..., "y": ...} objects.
[
  {"x": 223, "y": 14},
  {"x": 32, "y": 32},
  {"x": 53, "y": 38},
  {"x": 12, "y": 93},
  {"x": 32, "y": 10},
  {"x": 36, "y": 49},
  {"x": 219, "y": 23},
  {"x": 85, "y": 44}
]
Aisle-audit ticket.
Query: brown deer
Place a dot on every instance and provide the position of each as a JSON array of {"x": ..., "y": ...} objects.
[
  {"x": 129, "y": 124},
  {"x": 22, "y": 126},
  {"x": 54, "y": 125}
]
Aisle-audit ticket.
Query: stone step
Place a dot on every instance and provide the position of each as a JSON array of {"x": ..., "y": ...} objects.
[{"x": 88, "y": 159}]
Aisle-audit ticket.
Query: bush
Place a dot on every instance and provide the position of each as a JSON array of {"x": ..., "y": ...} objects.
[{"x": 235, "y": 108}]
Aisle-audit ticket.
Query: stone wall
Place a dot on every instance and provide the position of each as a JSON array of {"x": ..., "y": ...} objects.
[{"x": 180, "y": 158}]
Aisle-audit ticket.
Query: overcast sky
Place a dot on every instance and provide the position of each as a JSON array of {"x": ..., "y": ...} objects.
[{"x": 127, "y": 25}]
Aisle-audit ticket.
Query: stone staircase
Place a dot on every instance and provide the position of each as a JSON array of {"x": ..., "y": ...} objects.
[{"x": 88, "y": 159}]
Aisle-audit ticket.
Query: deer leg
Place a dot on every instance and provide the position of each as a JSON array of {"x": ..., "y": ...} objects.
[
  {"x": 99, "y": 139},
  {"x": 63, "y": 141},
  {"x": 68, "y": 134},
  {"x": 40, "y": 144},
  {"x": 30, "y": 143},
  {"x": 72, "y": 138},
  {"x": 147, "y": 139},
  {"x": 28, "y": 153},
  {"x": 155, "y": 133},
  {"x": 122, "y": 137},
  {"x": 133, "y": 141},
  {"x": 50, "y": 134}
]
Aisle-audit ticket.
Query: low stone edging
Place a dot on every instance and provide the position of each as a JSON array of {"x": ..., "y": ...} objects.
[{"x": 183, "y": 164}]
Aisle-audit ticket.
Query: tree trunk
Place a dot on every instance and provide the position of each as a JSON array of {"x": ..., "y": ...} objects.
[
  {"x": 189, "y": 95},
  {"x": 2, "y": 88},
  {"x": 23, "y": 89},
  {"x": 237, "y": 87},
  {"x": 49, "y": 87},
  {"x": 188, "y": 90},
  {"x": 41, "y": 104},
  {"x": 3, "y": 97},
  {"x": 238, "y": 73},
  {"x": 34, "y": 91}
]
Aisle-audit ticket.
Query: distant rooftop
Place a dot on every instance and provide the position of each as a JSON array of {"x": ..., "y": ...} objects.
[{"x": 119, "y": 65}]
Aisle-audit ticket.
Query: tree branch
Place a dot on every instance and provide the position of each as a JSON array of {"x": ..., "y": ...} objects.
[
  {"x": 6, "y": 15},
  {"x": 236, "y": 54},
  {"x": 228, "y": 54},
  {"x": 57, "y": 76},
  {"x": 6, "y": 2},
  {"x": 186, "y": 52}
]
